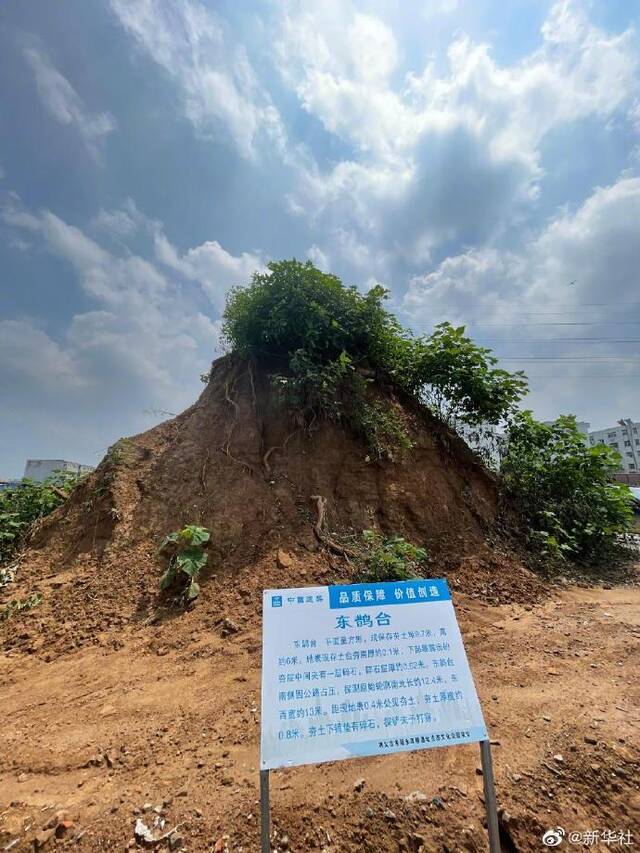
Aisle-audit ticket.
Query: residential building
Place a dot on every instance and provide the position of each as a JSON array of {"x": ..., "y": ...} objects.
[
  {"x": 40, "y": 469},
  {"x": 583, "y": 428},
  {"x": 625, "y": 438}
]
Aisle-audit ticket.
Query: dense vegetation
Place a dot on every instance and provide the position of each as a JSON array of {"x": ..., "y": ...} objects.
[
  {"x": 563, "y": 490},
  {"x": 333, "y": 350},
  {"x": 329, "y": 344},
  {"x": 27, "y": 502}
]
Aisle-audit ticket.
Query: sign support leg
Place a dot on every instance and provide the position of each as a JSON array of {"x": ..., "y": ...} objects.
[
  {"x": 490, "y": 796},
  {"x": 265, "y": 812}
]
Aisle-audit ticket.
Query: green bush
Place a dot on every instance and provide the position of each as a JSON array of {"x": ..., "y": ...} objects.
[
  {"x": 327, "y": 344},
  {"x": 388, "y": 559},
  {"x": 460, "y": 380},
  {"x": 186, "y": 557},
  {"x": 563, "y": 490},
  {"x": 25, "y": 503}
]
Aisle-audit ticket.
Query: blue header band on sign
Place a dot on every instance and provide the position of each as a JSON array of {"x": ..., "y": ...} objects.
[{"x": 421, "y": 591}]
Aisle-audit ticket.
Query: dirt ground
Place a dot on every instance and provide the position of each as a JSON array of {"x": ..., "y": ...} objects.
[{"x": 161, "y": 721}]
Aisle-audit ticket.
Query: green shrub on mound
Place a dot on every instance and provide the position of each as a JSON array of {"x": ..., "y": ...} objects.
[
  {"x": 563, "y": 490},
  {"x": 337, "y": 352},
  {"x": 332, "y": 346}
]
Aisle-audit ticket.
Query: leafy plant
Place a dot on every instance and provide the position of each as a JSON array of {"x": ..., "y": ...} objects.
[
  {"x": 186, "y": 557},
  {"x": 27, "y": 502},
  {"x": 327, "y": 345},
  {"x": 19, "y": 606},
  {"x": 388, "y": 559},
  {"x": 563, "y": 490},
  {"x": 459, "y": 380}
]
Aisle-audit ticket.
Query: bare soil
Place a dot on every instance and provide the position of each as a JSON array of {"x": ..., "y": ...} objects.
[{"x": 167, "y": 716}]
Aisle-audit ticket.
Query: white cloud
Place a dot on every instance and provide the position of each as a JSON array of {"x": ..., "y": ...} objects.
[
  {"x": 64, "y": 104},
  {"x": 13, "y": 214},
  {"x": 502, "y": 295},
  {"x": 597, "y": 246},
  {"x": 217, "y": 80},
  {"x": 215, "y": 269},
  {"x": 425, "y": 145},
  {"x": 439, "y": 7},
  {"x": 28, "y": 356},
  {"x": 319, "y": 258},
  {"x": 633, "y": 115},
  {"x": 121, "y": 223},
  {"x": 146, "y": 335}
]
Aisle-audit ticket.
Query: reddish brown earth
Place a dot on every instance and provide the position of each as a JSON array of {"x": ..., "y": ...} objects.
[{"x": 113, "y": 707}]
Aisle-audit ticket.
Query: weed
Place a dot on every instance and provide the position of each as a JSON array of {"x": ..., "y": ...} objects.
[
  {"x": 388, "y": 559},
  {"x": 185, "y": 551},
  {"x": 19, "y": 606}
]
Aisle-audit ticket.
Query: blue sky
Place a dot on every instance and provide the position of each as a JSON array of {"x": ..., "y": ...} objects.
[{"x": 474, "y": 156}]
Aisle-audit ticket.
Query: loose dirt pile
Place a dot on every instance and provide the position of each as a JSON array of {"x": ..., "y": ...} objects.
[
  {"x": 114, "y": 709},
  {"x": 237, "y": 463}
]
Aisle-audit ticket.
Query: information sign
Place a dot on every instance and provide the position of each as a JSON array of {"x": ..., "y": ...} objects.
[{"x": 363, "y": 669}]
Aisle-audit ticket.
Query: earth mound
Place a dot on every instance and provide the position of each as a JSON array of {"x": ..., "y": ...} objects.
[{"x": 240, "y": 464}]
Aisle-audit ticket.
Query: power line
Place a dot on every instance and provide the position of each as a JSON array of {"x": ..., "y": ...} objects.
[
  {"x": 562, "y": 340},
  {"x": 540, "y": 323},
  {"x": 566, "y": 358},
  {"x": 588, "y": 376}
]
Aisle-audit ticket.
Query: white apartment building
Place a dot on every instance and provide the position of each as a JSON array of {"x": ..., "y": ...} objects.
[
  {"x": 40, "y": 469},
  {"x": 625, "y": 438}
]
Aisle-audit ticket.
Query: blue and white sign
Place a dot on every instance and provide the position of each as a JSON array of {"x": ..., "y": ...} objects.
[{"x": 363, "y": 669}]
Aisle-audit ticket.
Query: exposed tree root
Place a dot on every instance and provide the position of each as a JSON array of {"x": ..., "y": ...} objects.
[
  {"x": 236, "y": 409},
  {"x": 253, "y": 387},
  {"x": 321, "y": 536},
  {"x": 203, "y": 473},
  {"x": 265, "y": 458},
  {"x": 224, "y": 449}
]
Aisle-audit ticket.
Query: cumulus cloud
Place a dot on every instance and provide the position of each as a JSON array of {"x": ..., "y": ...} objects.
[
  {"x": 586, "y": 257},
  {"x": 427, "y": 143},
  {"x": 64, "y": 104},
  {"x": 147, "y": 335},
  {"x": 119, "y": 224},
  {"x": 29, "y": 357},
  {"x": 220, "y": 89},
  {"x": 215, "y": 269}
]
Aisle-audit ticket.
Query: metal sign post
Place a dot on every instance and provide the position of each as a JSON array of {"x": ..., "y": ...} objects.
[
  {"x": 366, "y": 669},
  {"x": 265, "y": 812},
  {"x": 490, "y": 804}
]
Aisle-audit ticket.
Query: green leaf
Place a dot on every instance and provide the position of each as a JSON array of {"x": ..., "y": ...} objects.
[
  {"x": 168, "y": 577},
  {"x": 194, "y": 535},
  {"x": 191, "y": 560},
  {"x": 172, "y": 538},
  {"x": 193, "y": 591}
]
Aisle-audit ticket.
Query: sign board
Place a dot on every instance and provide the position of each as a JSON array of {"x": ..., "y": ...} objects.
[{"x": 363, "y": 669}]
